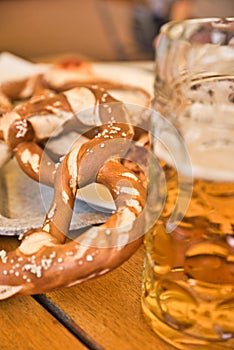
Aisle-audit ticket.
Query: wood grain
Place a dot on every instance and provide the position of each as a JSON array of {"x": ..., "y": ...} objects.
[
  {"x": 24, "y": 324},
  {"x": 109, "y": 308}
]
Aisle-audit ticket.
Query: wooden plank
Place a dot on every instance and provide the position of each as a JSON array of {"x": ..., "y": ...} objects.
[
  {"x": 109, "y": 308},
  {"x": 24, "y": 324},
  {"x": 67, "y": 322}
]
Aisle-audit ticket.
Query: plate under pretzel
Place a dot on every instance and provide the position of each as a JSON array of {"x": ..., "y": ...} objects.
[{"x": 24, "y": 202}]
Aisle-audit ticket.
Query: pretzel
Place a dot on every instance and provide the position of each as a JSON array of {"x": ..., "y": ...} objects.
[
  {"x": 46, "y": 260},
  {"x": 47, "y": 114},
  {"x": 69, "y": 70},
  {"x": 43, "y": 262},
  {"x": 23, "y": 88}
]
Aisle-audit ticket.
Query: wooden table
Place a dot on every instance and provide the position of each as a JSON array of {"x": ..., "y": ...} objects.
[{"x": 100, "y": 314}]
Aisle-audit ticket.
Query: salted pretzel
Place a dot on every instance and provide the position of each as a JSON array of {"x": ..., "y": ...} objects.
[
  {"x": 24, "y": 129},
  {"x": 43, "y": 262},
  {"x": 46, "y": 259}
]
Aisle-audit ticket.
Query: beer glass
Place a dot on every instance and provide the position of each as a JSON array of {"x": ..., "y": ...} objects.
[{"x": 188, "y": 287}]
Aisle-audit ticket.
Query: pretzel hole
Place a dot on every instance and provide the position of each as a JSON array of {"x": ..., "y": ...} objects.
[{"x": 97, "y": 196}]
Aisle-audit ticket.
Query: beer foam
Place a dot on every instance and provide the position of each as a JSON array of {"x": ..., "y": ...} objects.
[
  {"x": 206, "y": 147},
  {"x": 212, "y": 164},
  {"x": 211, "y": 161},
  {"x": 208, "y": 134}
]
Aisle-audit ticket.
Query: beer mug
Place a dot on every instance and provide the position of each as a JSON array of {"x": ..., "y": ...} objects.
[{"x": 188, "y": 286}]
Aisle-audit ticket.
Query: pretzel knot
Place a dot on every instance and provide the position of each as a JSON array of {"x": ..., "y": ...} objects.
[{"x": 46, "y": 259}]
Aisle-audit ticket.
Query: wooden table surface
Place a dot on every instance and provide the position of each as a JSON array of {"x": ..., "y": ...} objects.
[{"x": 104, "y": 313}]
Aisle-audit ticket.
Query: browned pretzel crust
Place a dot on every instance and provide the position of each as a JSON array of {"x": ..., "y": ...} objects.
[
  {"x": 43, "y": 262},
  {"x": 24, "y": 129},
  {"x": 46, "y": 259}
]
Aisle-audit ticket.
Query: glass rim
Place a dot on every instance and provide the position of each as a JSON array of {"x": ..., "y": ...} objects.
[{"x": 222, "y": 23}]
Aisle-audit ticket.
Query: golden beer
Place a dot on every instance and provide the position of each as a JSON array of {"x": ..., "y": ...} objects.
[{"x": 188, "y": 294}]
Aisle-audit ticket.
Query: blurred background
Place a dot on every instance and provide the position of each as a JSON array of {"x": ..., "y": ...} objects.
[{"x": 106, "y": 30}]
